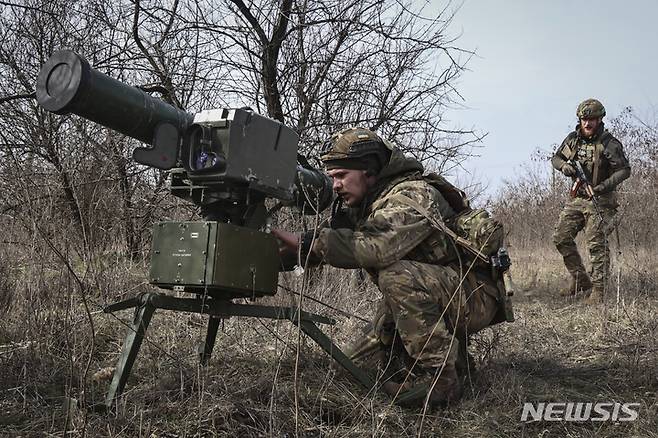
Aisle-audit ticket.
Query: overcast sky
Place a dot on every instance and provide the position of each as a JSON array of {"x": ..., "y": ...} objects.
[{"x": 536, "y": 60}]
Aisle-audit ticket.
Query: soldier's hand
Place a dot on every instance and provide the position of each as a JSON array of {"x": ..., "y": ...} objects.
[
  {"x": 598, "y": 189},
  {"x": 289, "y": 241},
  {"x": 568, "y": 169}
]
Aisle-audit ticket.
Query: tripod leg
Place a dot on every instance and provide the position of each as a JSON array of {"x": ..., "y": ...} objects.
[
  {"x": 327, "y": 345},
  {"x": 205, "y": 350},
  {"x": 129, "y": 351}
]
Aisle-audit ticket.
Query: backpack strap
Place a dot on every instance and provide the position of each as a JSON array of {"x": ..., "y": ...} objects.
[
  {"x": 454, "y": 196},
  {"x": 601, "y": 145},
  {"x": 440, "y": 226}
]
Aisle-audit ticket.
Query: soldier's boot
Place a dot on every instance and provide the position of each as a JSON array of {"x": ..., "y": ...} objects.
[
  {"x": 443, "y": 390},
  {"x": 596, "y": 296},
  {"x": 465, "y": 364},
  {"x": 579, "y": 283},
  {"x": 369, "y": 351},
  {"x": 398, "y": 366}
]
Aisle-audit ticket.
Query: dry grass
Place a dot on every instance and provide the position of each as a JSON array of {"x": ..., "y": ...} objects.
[{"x": 257, "y": 384}]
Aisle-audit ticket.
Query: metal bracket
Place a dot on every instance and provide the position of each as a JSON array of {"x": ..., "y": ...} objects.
[{"x": 146, "y": 304}]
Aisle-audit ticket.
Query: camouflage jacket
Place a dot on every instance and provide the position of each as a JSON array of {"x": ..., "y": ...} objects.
[
  {"x": 602, "y": 157},
  {"x": 384, "y": 229}
]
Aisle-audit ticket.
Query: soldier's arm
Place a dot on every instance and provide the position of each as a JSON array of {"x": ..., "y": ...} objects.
[
  {"x": 393, "y": 230},
  {"x": 559, "y": 159},
  {"x": 620, "y": 168},
  {"x": 294, "y": 249}
]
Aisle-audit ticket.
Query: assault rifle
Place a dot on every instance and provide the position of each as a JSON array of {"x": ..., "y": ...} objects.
[{"x": 582, "y": 182}]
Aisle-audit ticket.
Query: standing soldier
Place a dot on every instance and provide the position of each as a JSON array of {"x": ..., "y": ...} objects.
[{"x": 601, "y": 156}]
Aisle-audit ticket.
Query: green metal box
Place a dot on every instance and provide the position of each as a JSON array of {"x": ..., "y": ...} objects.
[{"x": 223, "y": 259}]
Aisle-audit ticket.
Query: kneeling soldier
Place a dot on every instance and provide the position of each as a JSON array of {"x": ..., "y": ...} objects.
[{"x": 428, "y": 296}]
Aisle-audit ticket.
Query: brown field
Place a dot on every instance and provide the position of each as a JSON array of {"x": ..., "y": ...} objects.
[
  {"x": 76, "y": 212},
  {"x": 266, "y": 380},
  {"x": 57, "y": 347}
]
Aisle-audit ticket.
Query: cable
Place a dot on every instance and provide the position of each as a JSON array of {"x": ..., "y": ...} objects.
[{"x": 329, "y": 306}]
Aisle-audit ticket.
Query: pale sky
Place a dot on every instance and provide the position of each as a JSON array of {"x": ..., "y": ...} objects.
[{"x": 536, "y": 60}]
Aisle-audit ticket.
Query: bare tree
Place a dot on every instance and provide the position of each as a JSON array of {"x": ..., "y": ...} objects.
[
  {"x": 322, "y": 65},
  {"x": 315, "y": 65},
  {"x": 83, "y": 207}
]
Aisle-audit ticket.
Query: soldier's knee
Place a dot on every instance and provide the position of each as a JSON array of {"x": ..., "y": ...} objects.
[
  {"x": 598, "y": 251},
  {"x": 562, "y": 241},
  {"x": 397, "y": 275},
  {"x": 596, "y": 239},
  {"x": 556, "y": 239}
]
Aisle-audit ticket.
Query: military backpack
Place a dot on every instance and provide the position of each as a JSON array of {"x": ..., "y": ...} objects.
[
  {"x": 475, "y": 230},
  {"x": 479, "y": 237}
]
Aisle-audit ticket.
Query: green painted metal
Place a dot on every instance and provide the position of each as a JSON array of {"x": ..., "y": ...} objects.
[
  {"x": 179, "y": 253},
  {"x": 132, "y": 343},
  {"x": 245, "y": 261},
  {"x": 205, "y": 349},
  {"x": 214, "y": 257},
  {"x": 67, "y": 84},
  {"x": 227, "y": 162},
  {"x": 226, "y": 309},
  {"x": 146, "y": 304},
  {"x": 336, "y": 353}
]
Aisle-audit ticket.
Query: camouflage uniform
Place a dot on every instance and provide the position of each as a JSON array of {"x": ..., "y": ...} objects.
[
  {"x": 416, "y": 269},
  {"x": 605, "y": 165}
]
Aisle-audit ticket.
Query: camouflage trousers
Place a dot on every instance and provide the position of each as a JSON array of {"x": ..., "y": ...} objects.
[
  {"x": 579, "y": 214},
  {"x": 420, "y": 307}
]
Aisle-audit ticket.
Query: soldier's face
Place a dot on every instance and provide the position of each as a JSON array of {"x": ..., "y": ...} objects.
[
  {"x": 351, "y": 185},
  {"x": 588, "y": 126}
]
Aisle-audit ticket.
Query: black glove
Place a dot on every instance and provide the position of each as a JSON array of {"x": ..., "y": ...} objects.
[
  {"x": 340, "y": 217},
  {"x": 568, "y": 169},
  {"x": 598, "y": 189}
]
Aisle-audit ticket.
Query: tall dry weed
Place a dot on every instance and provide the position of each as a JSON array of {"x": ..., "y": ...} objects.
[{"x": 57, "y": 348}]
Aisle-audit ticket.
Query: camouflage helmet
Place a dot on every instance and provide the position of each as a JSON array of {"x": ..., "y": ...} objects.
[
  {"x": 355, "y": 148},
  {"x": 590, "y": 109}
]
